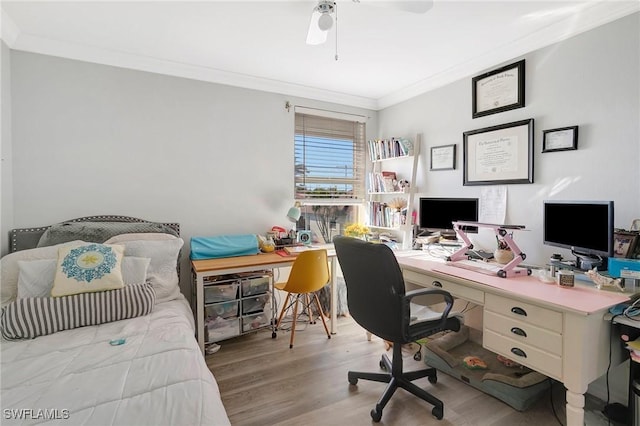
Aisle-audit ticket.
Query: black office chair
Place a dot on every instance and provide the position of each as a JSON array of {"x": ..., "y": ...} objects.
[{"x": 378, "y": 301}]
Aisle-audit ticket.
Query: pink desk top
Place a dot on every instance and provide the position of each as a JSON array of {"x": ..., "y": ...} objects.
[{"x": 582, "y": 298}]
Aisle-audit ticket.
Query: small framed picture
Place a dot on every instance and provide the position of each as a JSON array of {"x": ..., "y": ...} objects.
[
  {"x": 624, "y": 243},
  {"x": 443, "y": 157},
  {"x": 562, "y": 139}
]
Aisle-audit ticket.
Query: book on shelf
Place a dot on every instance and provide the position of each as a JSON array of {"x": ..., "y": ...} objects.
[
  {"x": 383, "y": 182},
  {"x": 380, "y": 149}
]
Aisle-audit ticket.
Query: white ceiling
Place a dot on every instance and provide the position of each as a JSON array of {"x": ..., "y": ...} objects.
[{"x": 386, "y": 55}]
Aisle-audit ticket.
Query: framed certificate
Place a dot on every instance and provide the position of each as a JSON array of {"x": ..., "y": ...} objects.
[
  {"x": 498, "y": 90},
  {"x": 443, "y": 157},
  {"x": 499, "y": 154},
  {"x": 562, "y": 139}
]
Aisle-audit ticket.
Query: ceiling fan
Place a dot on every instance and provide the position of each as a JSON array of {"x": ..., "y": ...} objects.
[{"x": 322, "y": 17}]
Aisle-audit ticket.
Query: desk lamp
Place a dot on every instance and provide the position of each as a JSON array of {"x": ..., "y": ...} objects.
[{"x": 294, "y": 212}]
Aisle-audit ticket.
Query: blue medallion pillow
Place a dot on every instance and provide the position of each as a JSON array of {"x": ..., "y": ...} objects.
[{"x": 88, "y": 268}]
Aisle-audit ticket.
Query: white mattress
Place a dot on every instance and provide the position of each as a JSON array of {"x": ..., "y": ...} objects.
[{"x": 157, "y": 377}]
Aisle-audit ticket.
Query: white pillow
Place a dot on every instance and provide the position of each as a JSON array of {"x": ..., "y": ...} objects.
[
  {"x": 88, "y": 268},
  {"x": 36, "y": 276},
  {"x": 162, "y": 271},
  {"x": 9, "y": 269},
  {"x": 140, "y": 236}
]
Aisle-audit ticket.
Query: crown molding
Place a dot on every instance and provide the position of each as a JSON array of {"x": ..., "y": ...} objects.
[
  {"x": 45, "y": 46},
  {"x": 591, "y": 17},
  {"x": 10, "y": 31}
]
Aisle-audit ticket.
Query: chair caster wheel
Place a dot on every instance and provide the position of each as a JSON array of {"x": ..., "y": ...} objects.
[
  {"x": 502, "y": 273},
  {"x": 417, "y": 356},
  {"x": 376, "y": 415},
  {"x": 433, "y": 379},
  {"x": 383, "y": 365},
  {"x": 438, "y": 412},
  {"x": 353, "y": 380},
  {"x": 273, "y": 334}
]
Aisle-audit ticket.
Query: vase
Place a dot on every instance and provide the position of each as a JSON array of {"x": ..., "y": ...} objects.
[{"x": 503, "y": 256}]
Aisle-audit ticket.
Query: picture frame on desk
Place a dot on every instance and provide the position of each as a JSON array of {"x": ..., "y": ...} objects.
[
  {"x": 624, "y": 244},
  {"x": 498, "y": 155}
]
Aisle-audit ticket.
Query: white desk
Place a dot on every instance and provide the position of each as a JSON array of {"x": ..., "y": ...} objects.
[{"x": 557, "y": 331}]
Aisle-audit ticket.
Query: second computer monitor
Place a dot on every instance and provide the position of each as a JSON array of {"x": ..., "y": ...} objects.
[{"x": 438, "y": 214}]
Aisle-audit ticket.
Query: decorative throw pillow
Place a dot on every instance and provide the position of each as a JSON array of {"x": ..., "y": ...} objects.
[
  {"x": 32, "y": 317},
  {"x": 140, "y": 236},
  {"x": 10, "y": 270},
  {"x": 88, "y": 268},
  {"x": 96, "y": 232},
  {"x": 162, "y": 272},
  {"x": 37, "y": 276}
]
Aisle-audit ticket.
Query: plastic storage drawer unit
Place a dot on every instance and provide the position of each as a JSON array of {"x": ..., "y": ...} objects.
[
  {"x": 255, "y": 285},
  {"x": 221, "y": 292},
  {"x": 220, "y": 329},
  {"x": 254, "y": 304},
  {"x": 254, "y": 322},
  {"x": 221, "y": 310}
]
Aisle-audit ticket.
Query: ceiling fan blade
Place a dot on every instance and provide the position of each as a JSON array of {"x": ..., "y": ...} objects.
[{"x": 315, "y": 35}]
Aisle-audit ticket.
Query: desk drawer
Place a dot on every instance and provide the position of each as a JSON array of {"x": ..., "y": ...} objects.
[
  {"x": 524, "y": 332},
  {"x": 537, "y": 359},
  {"x": 526, "y": 312},
  {"x": 456, "y": 290}
]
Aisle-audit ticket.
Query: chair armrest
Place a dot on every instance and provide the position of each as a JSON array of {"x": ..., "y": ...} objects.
[{"x": 442, "y": 321}]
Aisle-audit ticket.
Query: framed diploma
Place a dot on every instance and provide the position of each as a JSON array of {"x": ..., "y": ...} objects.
[
  {"x": 498, "y": 90},
  {"x": 443, "y": 157},
  {"x": 562, "y": 139},
  {"x": 499, "y": 154}
]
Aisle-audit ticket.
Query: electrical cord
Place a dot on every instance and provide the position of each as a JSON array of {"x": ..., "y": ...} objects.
[{"x": 553, "y": 407}]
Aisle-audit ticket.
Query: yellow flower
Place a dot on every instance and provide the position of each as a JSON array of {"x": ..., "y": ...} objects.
[{"x": 356, "y": 230}]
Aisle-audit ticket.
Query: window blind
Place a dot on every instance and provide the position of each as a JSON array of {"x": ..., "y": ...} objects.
[{"x": 329, "y": 160}]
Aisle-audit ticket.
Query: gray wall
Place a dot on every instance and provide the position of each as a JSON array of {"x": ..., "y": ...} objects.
[
  {"x": 92, "y": 139},
  {"x": 590, "y": 80},
  {"x": 6, "y": 168}
]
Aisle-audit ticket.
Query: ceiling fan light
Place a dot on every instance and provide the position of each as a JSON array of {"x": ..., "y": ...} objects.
[{"x": 325, "y": 22}]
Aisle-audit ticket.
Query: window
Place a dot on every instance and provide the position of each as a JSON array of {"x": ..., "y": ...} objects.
[{"x": 329, "y": 173}]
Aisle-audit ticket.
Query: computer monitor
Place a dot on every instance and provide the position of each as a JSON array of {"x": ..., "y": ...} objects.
[
  {"x": 584, "y": 227},
  {"x": 438, "y": 214}
]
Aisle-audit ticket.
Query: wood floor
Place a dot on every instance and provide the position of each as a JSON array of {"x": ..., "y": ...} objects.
[{"x": 263, "y": 382}]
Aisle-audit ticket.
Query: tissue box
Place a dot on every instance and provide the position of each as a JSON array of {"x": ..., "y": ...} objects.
[{"x": 624, "y": 268}]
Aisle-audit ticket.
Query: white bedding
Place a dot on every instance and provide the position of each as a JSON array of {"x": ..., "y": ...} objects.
[{"x": 157, "y": 377}]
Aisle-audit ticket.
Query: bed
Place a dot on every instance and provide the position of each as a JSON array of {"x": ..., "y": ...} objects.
[{"x": 125, "y": 355}]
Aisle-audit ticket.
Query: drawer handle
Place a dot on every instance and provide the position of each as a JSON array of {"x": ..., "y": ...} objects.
[
  {"x": 518, "y": 331},
  {"x": 519, "y": 311},
  {"x": 519, "y": 352},
  {"x": 437, "y": 284}
]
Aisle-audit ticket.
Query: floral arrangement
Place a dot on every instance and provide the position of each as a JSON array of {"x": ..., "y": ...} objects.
[
  {"x": 398, "y": 204},
  {"x": 356, "y": 230}
]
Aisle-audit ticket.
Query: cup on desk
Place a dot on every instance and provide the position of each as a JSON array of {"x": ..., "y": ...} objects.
[{"x": 565, "y": 278}]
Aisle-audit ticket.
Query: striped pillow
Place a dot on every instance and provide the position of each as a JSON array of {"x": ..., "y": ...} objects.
[{"x": 38, "y": 316}]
